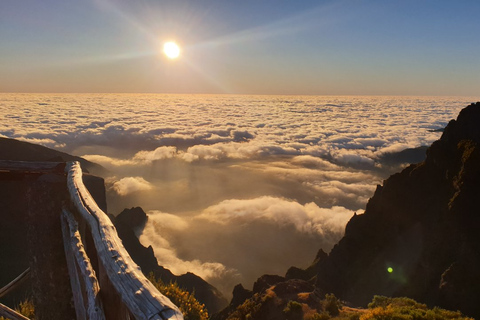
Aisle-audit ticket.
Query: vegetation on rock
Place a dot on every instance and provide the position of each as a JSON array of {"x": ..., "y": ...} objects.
[{"x": 184, "y": 300}]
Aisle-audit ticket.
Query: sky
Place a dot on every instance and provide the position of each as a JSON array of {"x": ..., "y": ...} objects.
[{"x": 322, "y": 47}]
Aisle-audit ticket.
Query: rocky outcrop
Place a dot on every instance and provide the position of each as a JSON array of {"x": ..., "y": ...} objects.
[
  {"x": 11, "y": 149},
  {"x": 419, "y": 234},
  {"x": 135, "y": 218}
]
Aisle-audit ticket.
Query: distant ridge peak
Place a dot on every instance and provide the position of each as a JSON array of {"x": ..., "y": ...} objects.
[{"x": 467, "y": 125}]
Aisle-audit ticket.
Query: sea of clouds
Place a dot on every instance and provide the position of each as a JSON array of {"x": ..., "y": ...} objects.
[{"x": 234, "y": 186}]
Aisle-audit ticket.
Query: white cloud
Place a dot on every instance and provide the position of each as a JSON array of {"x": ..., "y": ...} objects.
[
  {"x": 155, "y": 233},
  {"x": 308, "y": 218},
  {"x": 159, "y": 153},
  {"x": 108, "y": 162},
  {"x": 129, "y": 185}
]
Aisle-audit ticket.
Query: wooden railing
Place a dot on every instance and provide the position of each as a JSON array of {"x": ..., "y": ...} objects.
[{"x": 106, "y": 283}]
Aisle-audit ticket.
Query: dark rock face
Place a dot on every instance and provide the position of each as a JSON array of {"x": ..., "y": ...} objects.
[
  {"x": 11, "y": 149},
  {"x": 423, "y": 224},
  {"x": 25, "y": 237},
  {"x": 52, "y": 293},
  {"x": 129, "y": 220},
  {"x": 419, "y": 234},
  {"x": 134, "y": 218}
]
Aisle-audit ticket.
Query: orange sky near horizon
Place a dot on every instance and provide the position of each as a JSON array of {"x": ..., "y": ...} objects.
[{"x": 269, "y": 47}]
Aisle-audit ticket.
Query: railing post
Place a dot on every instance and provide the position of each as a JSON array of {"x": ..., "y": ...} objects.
[
  {"x": 85, "y": 287},
  {"x": 50, "y": 280}
]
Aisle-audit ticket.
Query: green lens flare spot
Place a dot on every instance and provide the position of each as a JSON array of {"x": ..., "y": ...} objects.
[{"x": 390, "y": 269}]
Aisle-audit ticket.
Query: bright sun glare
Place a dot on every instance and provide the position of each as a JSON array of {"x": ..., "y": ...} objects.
[{"x": 171, "y": 50}]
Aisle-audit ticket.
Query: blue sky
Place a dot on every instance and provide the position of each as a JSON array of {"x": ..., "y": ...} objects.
[{"x": 252, "y": 47}]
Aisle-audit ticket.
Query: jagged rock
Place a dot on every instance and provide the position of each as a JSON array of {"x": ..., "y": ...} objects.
[
  {"x": 297, "y": 273},
  {"x": 273, "y": 302},
  {"x": 311, "y": 272},
  {"x": 134, "y": 218},
  {"x": 240, "y": 294},
  {"x": 265, "y": 282},
  {"x": 422, "y": 223}
]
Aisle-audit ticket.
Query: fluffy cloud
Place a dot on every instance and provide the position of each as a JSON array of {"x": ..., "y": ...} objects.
[
  {"x": 220, "y": 242},
  {"x": 159, "y": 153},
  {"x": 282, "y": 175},
  {"x": 130, "y": 185},
  {"x": 156, "y": 233},
  {"x": 265, "y": 125},
  {"x": 308, "y": 218}
]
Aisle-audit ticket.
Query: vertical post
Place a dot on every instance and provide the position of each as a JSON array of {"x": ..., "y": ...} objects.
[{"x": 52, "y": 295}]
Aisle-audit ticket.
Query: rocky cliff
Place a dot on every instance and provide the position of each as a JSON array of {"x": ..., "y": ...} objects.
[
  {"x": 419, "y": 234},
  {"x": 422, "y": 223}
]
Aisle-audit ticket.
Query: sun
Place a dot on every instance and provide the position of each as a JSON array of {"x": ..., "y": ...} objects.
[{"x": 171, "y": 50}]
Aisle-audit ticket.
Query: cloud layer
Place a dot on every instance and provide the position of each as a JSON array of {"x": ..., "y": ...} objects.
[
  {"x": 235, "y": 186},
  {"x": 214, "y": 127}
]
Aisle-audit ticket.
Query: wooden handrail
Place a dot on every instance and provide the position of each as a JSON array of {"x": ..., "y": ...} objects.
[
  {"x": 28, "y": 166},
  {"x": 15, "y": 282},
  {"x": 10, "y": 313},
  {"x": 85, "y": 287},
  {"x": 138, "y": 294}
]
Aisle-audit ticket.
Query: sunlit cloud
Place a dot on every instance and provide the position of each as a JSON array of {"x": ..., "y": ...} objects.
[
  {"x": 308, "y": 218},
  {"x": 160, "y": 224},
  {"x": 129, "y": 185},
  {"x": 217, "y": 174}
]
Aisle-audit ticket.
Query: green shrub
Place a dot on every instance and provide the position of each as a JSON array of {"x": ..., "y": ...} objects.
[
  {"x": 319, "y": 316},
  {"x": 184, "y": 300},
  {"x": 383, "y": 308},
  {"x": 26, "y": 308},
  {"x": 332, "y": 305},
  {"x": 381, "y": 301},
  {"x": 247, "y": 310},
  {"x": 293, "y": 310}
]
